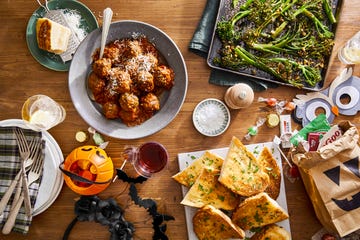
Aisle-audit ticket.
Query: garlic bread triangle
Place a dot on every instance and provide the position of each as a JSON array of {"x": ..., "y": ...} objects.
[
  {"x": 241, "y": 172},
  {"x": 271, "y": 232},
  {"x": 270, "y": 166},
  {"x": 258, "y": 211},
  {"x": 211, "y": 223},
  {"x": 188, "y": 176},
  {"x": 207, "y": 190}
]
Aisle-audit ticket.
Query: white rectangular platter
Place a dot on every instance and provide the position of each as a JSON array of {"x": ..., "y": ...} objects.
[{"x": 185, "y": 159}]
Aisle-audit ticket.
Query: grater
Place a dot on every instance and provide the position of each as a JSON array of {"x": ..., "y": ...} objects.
[{"x": 59, "y": 17}]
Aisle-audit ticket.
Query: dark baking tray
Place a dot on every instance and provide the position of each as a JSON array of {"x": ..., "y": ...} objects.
[{"x": 225, "y": 10}]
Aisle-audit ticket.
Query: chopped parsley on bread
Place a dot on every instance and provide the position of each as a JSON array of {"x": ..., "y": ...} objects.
[
  {"x": 217, "y": 185},
  {"x": 258, "y": 211},
  {"x": 211, "y": 223},
  {"x": 188, "y": 176},
  {"x": 271, "y": 232},
  {"x": 270, "y": 166},
  {"x": 207, "y": 190},
  {"x": 241, "y": 172}
]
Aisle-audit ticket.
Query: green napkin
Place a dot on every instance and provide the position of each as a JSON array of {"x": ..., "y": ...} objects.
[{"x": 200, "y": 44}]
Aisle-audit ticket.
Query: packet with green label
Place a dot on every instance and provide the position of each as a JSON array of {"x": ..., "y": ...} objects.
[{"x": 319, "y": 124}]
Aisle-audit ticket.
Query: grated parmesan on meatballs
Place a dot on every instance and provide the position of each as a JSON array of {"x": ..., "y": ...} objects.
[{"x": 129, "y": 80}]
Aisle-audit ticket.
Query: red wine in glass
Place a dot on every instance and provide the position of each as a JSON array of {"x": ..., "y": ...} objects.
[{"x": 149, "y": 158}]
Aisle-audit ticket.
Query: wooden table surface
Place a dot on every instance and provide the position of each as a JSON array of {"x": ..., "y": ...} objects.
[{"x": 22, "y": 76}]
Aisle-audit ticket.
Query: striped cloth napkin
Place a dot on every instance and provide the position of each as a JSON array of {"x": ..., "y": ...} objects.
[{"x": 10, "y": 163}]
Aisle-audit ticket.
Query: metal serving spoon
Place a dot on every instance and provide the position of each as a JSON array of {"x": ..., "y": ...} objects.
[
  {"x": 105, "y": 29},
  {"x": 107, "y": 16}
]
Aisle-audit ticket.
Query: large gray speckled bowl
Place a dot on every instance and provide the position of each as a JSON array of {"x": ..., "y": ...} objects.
[{"x": 171, "y": 101}]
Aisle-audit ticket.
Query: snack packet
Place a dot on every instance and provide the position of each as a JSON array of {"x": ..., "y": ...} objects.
[{"x": 319, "y": 124}]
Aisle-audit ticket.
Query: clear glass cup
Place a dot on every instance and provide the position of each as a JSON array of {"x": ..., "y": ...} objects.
[
  {"x": 41, "y": 112},
  {"x": 350, "y": 52},
  {"x": 149, "y": 158}
]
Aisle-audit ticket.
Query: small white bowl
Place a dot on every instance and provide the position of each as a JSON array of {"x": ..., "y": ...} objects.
[{"x": 211, "y": 117}]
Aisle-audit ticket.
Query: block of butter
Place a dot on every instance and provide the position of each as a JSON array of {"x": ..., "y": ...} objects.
[{"x": 51, "y": 36}]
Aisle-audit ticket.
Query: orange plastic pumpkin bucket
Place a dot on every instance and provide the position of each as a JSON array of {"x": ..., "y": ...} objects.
[{"x": 88, "y": 170}]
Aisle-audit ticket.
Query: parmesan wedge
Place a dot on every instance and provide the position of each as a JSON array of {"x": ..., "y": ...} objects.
[{"x": 52, "y": 36}]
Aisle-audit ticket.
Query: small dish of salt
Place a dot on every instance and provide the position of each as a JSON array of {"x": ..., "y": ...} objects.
[{"x": 211, "y": 117}]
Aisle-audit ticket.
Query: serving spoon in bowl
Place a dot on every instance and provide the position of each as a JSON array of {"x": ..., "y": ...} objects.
[
  {"x": 105, "y": 29},
  {"x": 107, "y": 16}
]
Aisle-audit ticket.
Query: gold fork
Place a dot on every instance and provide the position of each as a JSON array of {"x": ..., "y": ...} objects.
[{"x": 34, "y": 174}]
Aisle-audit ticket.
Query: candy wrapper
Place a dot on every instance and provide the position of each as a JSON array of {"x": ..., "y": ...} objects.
[
  {"x": 331, "y": 136},
  {"x": 279, "y": 106},
  {"x": 285, "y": 131},
  {"x": 98, "y": 139},
  {"x": 253, "y": 130}
]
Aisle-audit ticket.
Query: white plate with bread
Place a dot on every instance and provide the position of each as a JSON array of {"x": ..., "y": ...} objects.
[{"x": 257, "y": 181}]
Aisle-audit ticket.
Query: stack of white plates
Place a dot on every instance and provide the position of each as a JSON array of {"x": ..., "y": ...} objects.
[{"x": 52, "y": 178}]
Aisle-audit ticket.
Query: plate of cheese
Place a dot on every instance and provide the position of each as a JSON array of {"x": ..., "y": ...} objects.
[
  {"x": 79, "y": 18},
  {"x": 234, "y": 192}
]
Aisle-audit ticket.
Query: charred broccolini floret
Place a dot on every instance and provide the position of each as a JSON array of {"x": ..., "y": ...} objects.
[{"x": 226, "y": 28}]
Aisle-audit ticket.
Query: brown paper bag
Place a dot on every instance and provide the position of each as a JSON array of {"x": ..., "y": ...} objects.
[{"x": 332, "y": 180}]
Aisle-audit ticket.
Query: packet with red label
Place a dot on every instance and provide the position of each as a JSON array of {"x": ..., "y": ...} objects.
[
  {"x": 314, "y": 139},
  {"x": 319, "y": 124}
]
